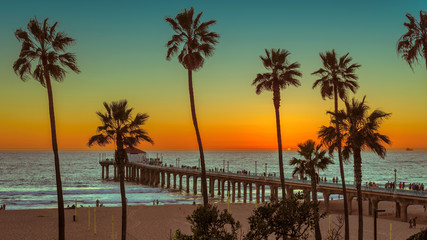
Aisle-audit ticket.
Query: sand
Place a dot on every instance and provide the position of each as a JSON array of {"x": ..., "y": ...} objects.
[{"x": 159, "y": 222}]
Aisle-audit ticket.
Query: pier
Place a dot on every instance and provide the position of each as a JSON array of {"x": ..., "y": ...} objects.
[{"x": 241, "y": 186}]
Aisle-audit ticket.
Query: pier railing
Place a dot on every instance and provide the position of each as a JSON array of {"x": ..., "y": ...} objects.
[{"x": 379, "y": 188}]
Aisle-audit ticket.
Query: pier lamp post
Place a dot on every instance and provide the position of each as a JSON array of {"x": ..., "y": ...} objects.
[
  {"x": 395, "y": 180},
  {"x": 376, "y": 211},
  {"x": 223, "y": 165},
  {"x": 265, "y": 169},
  {"x": 228, "y": 166},
  {"x": 255, "y": 168}
]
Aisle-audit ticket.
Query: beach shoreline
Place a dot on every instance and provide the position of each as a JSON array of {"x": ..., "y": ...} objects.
[{"x": 161, "y": 221}]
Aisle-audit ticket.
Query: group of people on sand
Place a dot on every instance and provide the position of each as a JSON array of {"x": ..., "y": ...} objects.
[
  {"x": 3, "y": 207},
  {"x": 156, "y": 202},
  {"x": 413, "y": 222},
  {"x": 98, "y": 204}
]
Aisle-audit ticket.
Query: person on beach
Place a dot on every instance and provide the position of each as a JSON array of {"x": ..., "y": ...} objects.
[
  {"x": 97, "y": 202},
  {"x": 410, "y": 222},
  {"x": 157, "y": 201},
  {"x": 414, "y": 222}
]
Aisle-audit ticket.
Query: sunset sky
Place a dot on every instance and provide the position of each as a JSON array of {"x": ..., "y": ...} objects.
[{"x": 120, "y": 48}]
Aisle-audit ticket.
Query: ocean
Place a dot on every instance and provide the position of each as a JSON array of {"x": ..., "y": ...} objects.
[{"x": 27, "y": 178}]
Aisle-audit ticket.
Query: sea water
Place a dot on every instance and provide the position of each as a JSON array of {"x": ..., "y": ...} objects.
[{"x": 27, "y": 178}]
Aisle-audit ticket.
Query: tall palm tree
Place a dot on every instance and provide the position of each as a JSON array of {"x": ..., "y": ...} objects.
[
  {"x": 336, "y": 77},
  {"x": 313, "y": 160},
  {"x": 43, "y": 57},
  {"x": 282, "y": 74},
  {"x": 414, "y": 43},
  {"x": 194, "y": 43},
  {"x": 119, "y": 127},
  {"x": 359, "y": 131}
]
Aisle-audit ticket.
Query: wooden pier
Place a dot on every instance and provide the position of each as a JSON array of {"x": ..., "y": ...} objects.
[{"x": 241, "y": 185}]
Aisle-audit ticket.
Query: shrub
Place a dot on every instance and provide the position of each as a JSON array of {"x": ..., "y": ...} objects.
[
  {"x": 208, "y": 223},
  {"x": 422, "y": 235},
  {"x": 288, "y": 219}
]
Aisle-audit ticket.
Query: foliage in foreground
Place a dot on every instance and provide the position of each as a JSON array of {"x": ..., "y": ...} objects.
[
  {"x": 335, "y": 233},
  {"x": 419, "y": 236},
  {"x": 288, "y": 219},
  {"x": 207, "y": 223}
]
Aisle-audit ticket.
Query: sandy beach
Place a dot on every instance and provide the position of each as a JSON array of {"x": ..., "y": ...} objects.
[{"x": 158, "y": 222}]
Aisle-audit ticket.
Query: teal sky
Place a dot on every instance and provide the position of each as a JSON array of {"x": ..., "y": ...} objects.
[{"x": 121, "y": 52}]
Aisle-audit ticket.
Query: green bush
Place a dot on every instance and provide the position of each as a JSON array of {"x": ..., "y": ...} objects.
[
  {"x": 207, "y": 223},
  {"x": 289, "y": 219}
]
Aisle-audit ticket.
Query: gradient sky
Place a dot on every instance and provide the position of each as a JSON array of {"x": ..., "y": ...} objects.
[{"x": 121, "y": 52}]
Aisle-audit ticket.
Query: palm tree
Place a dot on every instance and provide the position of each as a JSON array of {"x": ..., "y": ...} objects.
[
  {"x": 359, "y": 131},
  {"x": 119, "y": 127},
  {"x": 313, "y": 160},
  {"x": 43, "y": 57},
  {"x": 336, "y": 77},
  {"x": 282, "y": 74},
  {"x": 196, "y": 43},
  {"x": 414, "y": 43}
]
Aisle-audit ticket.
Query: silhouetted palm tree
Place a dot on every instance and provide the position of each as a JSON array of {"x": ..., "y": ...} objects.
[
  {"x": 359, "y": 131},
  {"x": 119, "y": 127},
  {"x": 43, "y": 57},
  {"x": 414, "y": 43},
  {"x": 336, "y": 77},
  {"x": 194, "y": 42},
  {"x": 299, "y": 168},
  {"x": 282, "y": 75},
  {"x": 313, "y": 160}
]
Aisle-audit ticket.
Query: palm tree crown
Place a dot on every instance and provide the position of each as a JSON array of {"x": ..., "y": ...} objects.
[
  {"x": 300, "y": 167},
  {"x": 313, "y": 157},
  {"x": 44, "y": 47},
  {"x": 193, "y": 37},
  {"x": 414, "y": 43},
  {"x": 336, "y": 73},
  {"x": 117, "y": 123},
  {"x": 282, "y": 75},
  {"x": 361, "y": 128}
]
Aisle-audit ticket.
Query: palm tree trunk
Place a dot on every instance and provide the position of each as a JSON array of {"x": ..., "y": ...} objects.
[
  {"x": 425, "y": 51},
  {"x": 276, "y": 101},
  {"x": 317, "y": 233},
  {"x": 358, "y": 175},
  {"x": 344, "y": 190},
  {"x": 120, "y": 158},
  {"x": 61, "y": 219},
  {"x": 199, "y": 139},
  {"x": 124, "y": 204}
]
